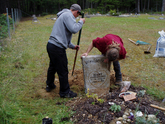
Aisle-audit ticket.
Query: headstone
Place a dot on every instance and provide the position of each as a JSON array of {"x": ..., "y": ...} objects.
[
  {"x": 151, "y": 18},
  {"x": 96, "y": 75},
  {"x": 33, "y": 15},
  {"x": 35, "y": 19}
]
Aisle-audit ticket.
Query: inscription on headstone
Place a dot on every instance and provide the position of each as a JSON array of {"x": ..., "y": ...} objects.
[{"x": 96, "y": 74}]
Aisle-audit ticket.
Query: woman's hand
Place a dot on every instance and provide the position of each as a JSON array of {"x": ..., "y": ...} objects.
[{"x": 84, "y": 54}]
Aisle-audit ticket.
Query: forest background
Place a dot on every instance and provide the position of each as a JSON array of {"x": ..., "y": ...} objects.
[{"x": 29, "y": 7}]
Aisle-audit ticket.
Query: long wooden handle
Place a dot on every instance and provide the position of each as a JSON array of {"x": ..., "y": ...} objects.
[
  {"x": 74, "y": 62},
  {"x": 80, "y": 32},
  {"x": 155, "y": 106},
  {"x": 149, "y": 48},
  {"x": 77, "y": 49},
  {"x": 133, "y": 42}
]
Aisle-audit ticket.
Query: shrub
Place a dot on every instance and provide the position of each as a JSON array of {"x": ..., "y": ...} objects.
[
  {"x": 113, "y": 13},
  {"x": 4, "y": 26},
  {"x": 91, "y": 11},
  {"x": 44, "y": 14}
]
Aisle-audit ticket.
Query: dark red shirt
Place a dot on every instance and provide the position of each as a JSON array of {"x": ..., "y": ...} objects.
[{"x": 102, "y": 43}]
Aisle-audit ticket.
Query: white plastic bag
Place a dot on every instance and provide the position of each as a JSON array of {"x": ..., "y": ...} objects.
[
  {"x": 125, "y": 86},
  {"x": 160, "y": 46}
]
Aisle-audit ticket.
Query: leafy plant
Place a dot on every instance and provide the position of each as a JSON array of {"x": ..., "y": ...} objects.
[
  {"x": 115, "y": 108},
  {"x": 113, "y": 12},
  {"x": 142, "y": 120},
  {"x": 100, "y": 100},
  {"x": 93, "y": 103},
  {"x": 4, "y": 26},
  {"x": 94, "y": 96},
  {"x": 44, "y": 13},
  {"x": 91, "y": 11}
]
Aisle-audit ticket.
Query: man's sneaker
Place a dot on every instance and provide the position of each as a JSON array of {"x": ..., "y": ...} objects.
[
  {"x": 48, "y": 88},
  {"x": 70, "y": 94}
]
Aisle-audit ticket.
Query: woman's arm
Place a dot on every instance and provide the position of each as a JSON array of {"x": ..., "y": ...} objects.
[{"x": 90, "y": 47}]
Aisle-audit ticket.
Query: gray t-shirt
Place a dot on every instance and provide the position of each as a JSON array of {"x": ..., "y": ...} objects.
[{"x": 63, "y": 29}]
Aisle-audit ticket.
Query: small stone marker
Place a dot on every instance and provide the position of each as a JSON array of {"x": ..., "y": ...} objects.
[{"x": 96, "y": 74}]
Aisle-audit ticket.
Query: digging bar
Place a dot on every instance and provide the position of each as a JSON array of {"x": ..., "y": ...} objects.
[{"x": 77, "y": 49}]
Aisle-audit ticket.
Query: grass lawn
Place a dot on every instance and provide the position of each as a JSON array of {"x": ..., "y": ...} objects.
[{"x": 24, "y": 62}]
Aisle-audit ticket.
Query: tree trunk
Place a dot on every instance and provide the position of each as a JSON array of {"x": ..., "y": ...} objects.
[
  {"x": 34, "y": 7},
  {"x": 148, "y": 5},
  {"x": 141, "y": 5},
  {"x": 163, "y": 5},
  {"x": 83, "y": 5},
  {"x": 138, "y": 6},
  {"x": 144, "y": 5}
]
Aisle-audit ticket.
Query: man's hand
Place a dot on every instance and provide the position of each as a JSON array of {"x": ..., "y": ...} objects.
[
  {"x": 77, "y": 47},
  {"x": 84, "y": 54},
  {"x": 82, "y": 19}
]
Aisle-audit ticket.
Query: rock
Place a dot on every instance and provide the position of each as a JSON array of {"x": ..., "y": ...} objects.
[
  {"x": 122, "y": 103},
  {"x": 124, "y": 122},
  {"x": 90, "y": 116},
  {"x": 118, "y": 122},
  {"x": 111, "y": 103},
  {"x": 130, "y": 110},
  {"x": 125, "y": 116},
  {"x": 126, "y": 113},
  {"x": 128, "y": 120},
  {"x": 139, "y": 114},
  {"x": 152, "y": 118},
  {"x": 119, "y": 119}
]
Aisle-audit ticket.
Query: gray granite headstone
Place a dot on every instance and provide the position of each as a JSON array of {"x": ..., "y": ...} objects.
[{"x": 96, "y": 74}]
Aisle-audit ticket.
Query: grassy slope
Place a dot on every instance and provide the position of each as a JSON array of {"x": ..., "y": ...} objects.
[{"x": 28, "y": 47}]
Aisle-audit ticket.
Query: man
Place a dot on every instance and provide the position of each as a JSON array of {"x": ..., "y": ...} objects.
[
  {"x": 113, "y": 48},
  {"x": 60, "y": 39}
]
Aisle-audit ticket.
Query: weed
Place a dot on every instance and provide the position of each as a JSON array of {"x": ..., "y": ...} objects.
[
  {"x": 115, "y": 108},
  {"x": 94, "y": 96},
  {"x": 143, "y": 120},
  {"x": 93, "y": 103},
  {"x": 4, "y": 26},
  {"x": 100, "y": 101}
]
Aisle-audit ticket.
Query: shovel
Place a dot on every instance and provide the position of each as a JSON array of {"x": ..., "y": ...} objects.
[
  {"x": 148, "y": 51},
  {"x": 77, "y": 49}
]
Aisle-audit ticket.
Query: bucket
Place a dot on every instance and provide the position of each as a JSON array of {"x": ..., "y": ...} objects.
[{"x": 47, "y": 120}]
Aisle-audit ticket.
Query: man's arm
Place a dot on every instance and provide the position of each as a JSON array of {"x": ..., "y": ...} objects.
[{"x": 88, "y": 50}]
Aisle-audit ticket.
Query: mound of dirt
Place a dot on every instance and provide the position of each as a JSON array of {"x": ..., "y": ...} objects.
[{"x": 90, "y": 111}]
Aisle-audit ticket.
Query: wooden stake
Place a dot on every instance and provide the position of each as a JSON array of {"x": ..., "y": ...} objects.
[{"x": 155, "y": 106}]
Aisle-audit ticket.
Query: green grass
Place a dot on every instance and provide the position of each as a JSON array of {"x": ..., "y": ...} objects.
[{"x": 21, "y": 98}]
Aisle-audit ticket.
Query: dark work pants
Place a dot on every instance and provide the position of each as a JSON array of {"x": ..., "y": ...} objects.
[
  {"x": 117, "y": 70},
  {"x": 58, "y": 63}
]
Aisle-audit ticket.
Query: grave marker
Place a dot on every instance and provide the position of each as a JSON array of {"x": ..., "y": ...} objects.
[{"x": 96, "y": 74}]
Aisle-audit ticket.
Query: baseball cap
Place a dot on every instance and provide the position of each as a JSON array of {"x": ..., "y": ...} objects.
[{"x": 76, "y": 7}]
